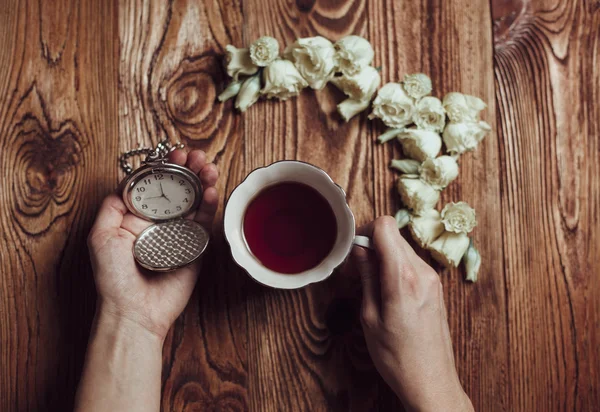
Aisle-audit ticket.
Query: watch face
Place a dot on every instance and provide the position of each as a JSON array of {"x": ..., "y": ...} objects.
[{"x": 163, "y": 195}]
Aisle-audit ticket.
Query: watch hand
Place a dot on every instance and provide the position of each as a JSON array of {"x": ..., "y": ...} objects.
[
  {"x": 163, "y": 193},
  {"x": 153, "y": 197}
]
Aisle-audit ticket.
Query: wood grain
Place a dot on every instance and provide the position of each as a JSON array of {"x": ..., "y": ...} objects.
[
  {"x": 547, "y": 81},
  {"x": 169, "y": 74},
  {"x": 83, "y": 81},
  {"x": 58, "y": 135}
]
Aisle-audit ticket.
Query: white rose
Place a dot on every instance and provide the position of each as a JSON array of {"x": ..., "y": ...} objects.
[
  {"x": 352, "y": 54},
  {"x": 361, "y": 86},
  {"x": 430, "y": 114},
  {"x": 388, "y": 134},
  {"x": 449, "y": 248},
  {"x": 282, "y": 80},
  {"x": 420, "y": 144},
  {"x": 439, "y": 172},
  {"x": 402, "y": 217},
  {"x": 459, "y": 217},
  {"x": 393, "y": 106},
  {"x": 483, "y": 129},
  {"x": 314, "y": 57},
  {"x": 417, "y": 85},
  {"x": 472, "y": 260},
  {"x": 238, "y": 62},
  {"x": 426, "y": 228},
  {"x": 264, "y": 51},
  {"x": 350, "y": 108},
  {"x": 417, "y": 195},
  {"x": 462, "y": 107},
  {"x": 230, "y": 91},
  {"x": 408, "y": 166},
  {"x": 464, "y": 137},
  {"x": 249, "y": 93}
]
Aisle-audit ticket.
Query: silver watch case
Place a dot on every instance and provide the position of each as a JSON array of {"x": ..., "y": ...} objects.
[
  {"x": 149, "y": 169},
  {"x": 170, "y": 243}
]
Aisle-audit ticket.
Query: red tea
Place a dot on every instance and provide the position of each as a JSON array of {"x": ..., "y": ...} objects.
[{"x": 290, "y": 227}]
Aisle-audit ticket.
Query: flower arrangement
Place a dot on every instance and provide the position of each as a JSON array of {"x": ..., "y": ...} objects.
[
  {"x": 421, "y": 123},
  {"x": 312, "y": 62}
]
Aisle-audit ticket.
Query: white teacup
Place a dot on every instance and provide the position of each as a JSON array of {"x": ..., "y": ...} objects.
[{"x": 289, "y": 171}]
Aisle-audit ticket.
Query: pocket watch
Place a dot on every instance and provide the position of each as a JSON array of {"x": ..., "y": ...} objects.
[{"x": 163, "y": 193}]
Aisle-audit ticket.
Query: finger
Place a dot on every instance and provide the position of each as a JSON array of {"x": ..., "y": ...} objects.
[
  {"x": 209, "y": 175},
  {"x": 365, "y": 263},
  {"x": 110, "y": 214},
  {"x": 395, "y": 258},
  {"x": 366, "y": 230},
  {"x": 386, "y": 238},
  {"x": 196, "y": 160},
  {"x": 134, "y": 225},
  {"x": 208, "y": 208},
  {"x": 178, "y": 156}
]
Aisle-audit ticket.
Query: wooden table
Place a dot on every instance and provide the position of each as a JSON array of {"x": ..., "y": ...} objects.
[{"x": 80, "y": 82}]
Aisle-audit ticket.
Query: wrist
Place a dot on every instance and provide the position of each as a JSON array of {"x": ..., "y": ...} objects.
[
  {"x": 444, "y": 395},
  {"x": 458, "y": 401},
  {"x": 124, "y": 328},
  {"x": 123, "y": 365}
]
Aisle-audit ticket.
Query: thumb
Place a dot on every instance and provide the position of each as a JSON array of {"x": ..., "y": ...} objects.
[{"x": 111, "y": 213}]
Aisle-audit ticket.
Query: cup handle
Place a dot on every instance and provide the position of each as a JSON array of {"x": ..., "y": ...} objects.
[{"x": 363, "y": 241}]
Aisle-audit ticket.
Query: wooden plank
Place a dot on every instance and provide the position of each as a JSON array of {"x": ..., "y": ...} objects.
[
  {"x": 548, "y": 82},
  {"x": 306, "y": 129},
  {"x": 169, "y": 76},
  {"x": 455, "y": 48},
  {"x": 57, "y": 133},
  {"x": 451, "y": 42},
  {"x": 305, "y": 351}
]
